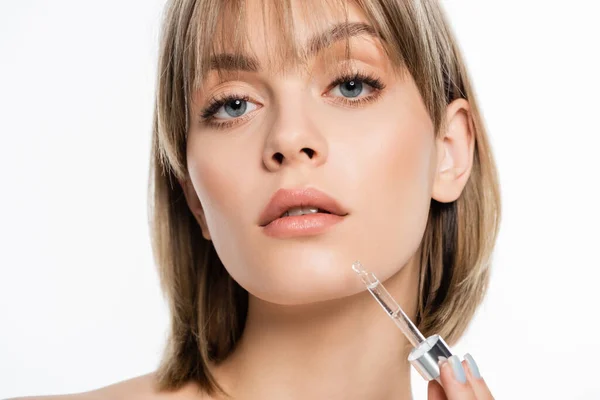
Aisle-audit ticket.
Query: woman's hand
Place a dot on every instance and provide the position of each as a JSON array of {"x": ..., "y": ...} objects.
[{"x": 461, "y": 381}]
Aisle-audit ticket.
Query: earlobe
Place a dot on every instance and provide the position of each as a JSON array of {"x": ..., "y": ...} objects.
[
  {"x": 195, "y": 205},
  {"x": 454, "y": 153}
]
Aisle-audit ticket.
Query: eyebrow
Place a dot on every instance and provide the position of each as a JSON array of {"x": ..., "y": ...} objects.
[{"x": 338, "y": 32}]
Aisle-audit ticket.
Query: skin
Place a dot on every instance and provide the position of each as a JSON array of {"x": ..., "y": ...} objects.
[{"x": 310, "y": 319}]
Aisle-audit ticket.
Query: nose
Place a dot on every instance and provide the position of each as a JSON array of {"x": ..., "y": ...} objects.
[{"x": 294, "y": 139}]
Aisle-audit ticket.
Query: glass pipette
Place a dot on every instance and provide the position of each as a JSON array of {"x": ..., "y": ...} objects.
[
  {"x": 427, "y": 353},
  {"x": 390, "y": 306}
]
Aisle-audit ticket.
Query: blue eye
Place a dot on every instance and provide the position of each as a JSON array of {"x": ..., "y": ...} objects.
[
  {"x": 351, "y": 88},
  {"x": 354, "y": 85},
  {"x": 229, "y": 107},
  {"x": 235, "y": 108}
]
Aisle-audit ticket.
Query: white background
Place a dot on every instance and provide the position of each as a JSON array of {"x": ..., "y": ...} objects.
[{"x": 80, "y": 305}]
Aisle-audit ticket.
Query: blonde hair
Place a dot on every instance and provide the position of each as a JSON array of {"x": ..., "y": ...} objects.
[{"x": 208, "y": 308}]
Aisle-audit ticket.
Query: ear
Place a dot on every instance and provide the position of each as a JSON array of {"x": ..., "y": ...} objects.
[
  {"x": 454, "y": 153},
  {"x": 195, "y": 206}
]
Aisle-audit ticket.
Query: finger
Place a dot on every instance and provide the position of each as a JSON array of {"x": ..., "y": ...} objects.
[
  {"x": 435, "y": 391},
  {"x": 480, "y": 388},
  {"x": 454, "y": 380}
]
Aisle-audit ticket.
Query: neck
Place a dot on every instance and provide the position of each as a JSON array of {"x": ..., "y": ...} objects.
[{"x": 341, "y": 349}]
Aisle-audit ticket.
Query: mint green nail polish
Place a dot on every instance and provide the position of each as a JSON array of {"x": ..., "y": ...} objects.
[
  {"x": 457, "y": 368},
  {"x": 473, "y": 366}
]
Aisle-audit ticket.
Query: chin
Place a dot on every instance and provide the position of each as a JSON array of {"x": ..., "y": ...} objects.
[{"x": 297, "y": 274}]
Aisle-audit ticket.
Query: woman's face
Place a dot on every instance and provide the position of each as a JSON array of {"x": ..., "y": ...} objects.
[{"x": 360, "y": 134}]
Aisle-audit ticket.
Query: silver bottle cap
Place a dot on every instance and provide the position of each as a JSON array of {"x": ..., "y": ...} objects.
[{"x": 427, "y": 356}]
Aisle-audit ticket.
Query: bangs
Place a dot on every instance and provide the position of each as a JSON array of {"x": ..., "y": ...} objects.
[{"x": 218, "y": 36}]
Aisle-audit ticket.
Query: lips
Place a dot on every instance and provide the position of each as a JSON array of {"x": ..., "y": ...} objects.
[{"x": 285, "y": 199}]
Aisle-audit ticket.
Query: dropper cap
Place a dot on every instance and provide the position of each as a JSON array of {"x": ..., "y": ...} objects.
[{"x": 427, "y": 356}]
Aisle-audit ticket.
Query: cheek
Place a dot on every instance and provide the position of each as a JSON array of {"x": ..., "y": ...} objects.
[
  {"x": 215, "y": 170},
  {"x": 405, "y": 163},
  {"x": 403, "y": 178},
  {"x": 408, "y": 144},
  {"x": 393, "y": 166},
  {"x": 409, "y": 186}
]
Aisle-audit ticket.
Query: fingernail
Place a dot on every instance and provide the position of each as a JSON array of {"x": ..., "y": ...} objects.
[
  {"x": 473, "y": 366},
  {"x": 457, "y": 368}
]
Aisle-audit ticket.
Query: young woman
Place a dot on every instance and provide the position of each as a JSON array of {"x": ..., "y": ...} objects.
[{"x": 292, "y": 138}]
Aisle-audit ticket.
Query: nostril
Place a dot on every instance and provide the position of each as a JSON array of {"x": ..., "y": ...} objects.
[
  {"x": 278, "y": 157},
  {"x": 309, "y": 152}
]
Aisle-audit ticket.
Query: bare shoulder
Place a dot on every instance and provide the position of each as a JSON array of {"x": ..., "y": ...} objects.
[{"x": 138, "y": 388}]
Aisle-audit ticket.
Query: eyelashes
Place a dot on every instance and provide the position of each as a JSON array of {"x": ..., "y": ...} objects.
[{"x": 212, "y": 116}]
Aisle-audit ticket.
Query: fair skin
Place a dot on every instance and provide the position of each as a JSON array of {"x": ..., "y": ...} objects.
[{"x": 312, "y": 331}]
